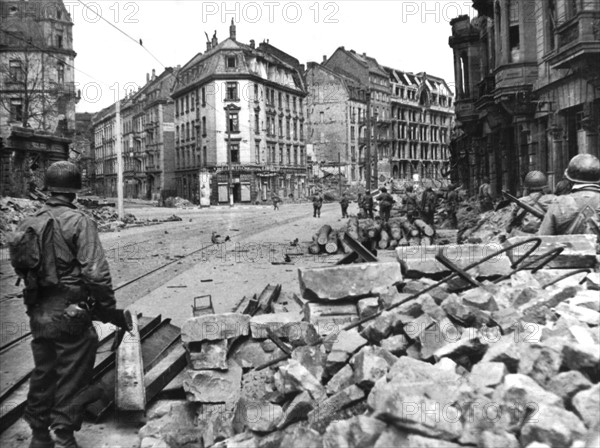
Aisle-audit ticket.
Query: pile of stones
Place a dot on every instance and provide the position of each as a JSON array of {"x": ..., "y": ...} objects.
[{"x": 509, "y": 364}]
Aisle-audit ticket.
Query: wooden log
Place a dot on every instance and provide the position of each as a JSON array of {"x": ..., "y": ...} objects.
[
  {"x": 267, "y": 297},
  {"x": 314, "y": 248},
  {"x": 424, "y": 228},
  {"x": 396, "y": 230},
  {"x": 323, "y": 234},
  {"x": 393, "y": 244},
  {"x": 332, "y": 243},
  {"x": 426, "y": 241},
  {"x": 341, "y": 243},
  {"x": 384, "y": 240},
  {"x": 130, "y": 391}
]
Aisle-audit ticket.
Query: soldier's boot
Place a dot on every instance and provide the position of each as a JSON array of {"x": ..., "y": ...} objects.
[
  {"x": 40, "y": 438},
  {"x": 64, "y": 438}
]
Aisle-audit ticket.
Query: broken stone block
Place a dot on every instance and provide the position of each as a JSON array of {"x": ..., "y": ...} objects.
[
  {"x": 346, "y": 344},
  {"x": 392, "y": 296},
  {"x": 250, "y": 354},
  {"x": 367, "y": 307},
  {"x": 330, "y": 318},
  {"x": 415, "y": 327},
  {"x": 567, "y": 384},
  {"x": 213, "y": 327},
  {"x": 491, "y": 439},
  {"x": 579, "y": 250},
  {"x": 359, "y": 431},
  {"x": 430, "y": 307},
  {"x": 469, "y": 348},
  {"x": 216, "y": 421},
  {"x": 518, "y": 389},
  {"x": 507, "y": 319},
  {"x": 243, "y": 440},
  {"x": 325, "y": 409},
  {"x": 258, "y": 416},
  {"x": 447, "y": 364},
  {"x": 299, "y": 334},
  {"x": 212, "y": 355},
  {"x": 487, "y": 374},
  {"x": 419, "y": 261},
  {"x": 259, "y": 324},
  {"x": 581, "y": 357},
  {"x": 586, "y": 299},
  {"x": 213, "y": 386},
  {"x": 436, "y": 336},
  {"x": 299, "y": 378},
  {"x": 257, "y": 384},
  {"x": 552, "y": 425},
  {"x": 506, "y": 351},
  {"x": 587, "y": 405},
  {"x": 348, "y": 281},
  {"x": 342, "y": 379},
  {"x": 454, "y": 307},
  {"x": 268, "y": 345},
  {"x": 309, "y": 437},
  {"x": 172, "y": 420},
  {"x": 582, "y": 314},
  {"x": 296, "y": 410},
  {"x": 583, "y": 335},
  {"x": 311, "y": 357},
  {"x": 480, "y": 298},
  {"x": 540, "y": 362},
  {"x": 396, "y": 344},
  {"x": 388, "y": 322},
  {"x": 370, "y": 364}
]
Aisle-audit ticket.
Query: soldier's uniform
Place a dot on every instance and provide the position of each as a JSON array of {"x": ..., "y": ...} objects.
[
  {"x": 452, "y": 202},
  {"x": 530, "y": 223}
]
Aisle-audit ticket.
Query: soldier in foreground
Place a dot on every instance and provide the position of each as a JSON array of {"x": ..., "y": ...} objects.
[
  {"x": 536, "y": 184},
  {"x": 67, "y": 283},
  {"x": 579, "y": 211}
]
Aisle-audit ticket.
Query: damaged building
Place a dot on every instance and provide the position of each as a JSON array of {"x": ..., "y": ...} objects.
[
  {"x": 528, "y": 79},
  {"x": 37, "y": 91},
  {"x": 239, "y": 124},
  {"x": 147, "y": 141},
  {"x": 409, "y": 116}
]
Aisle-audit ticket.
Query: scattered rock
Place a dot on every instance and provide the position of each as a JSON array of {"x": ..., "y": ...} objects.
[
  {"x": 212, "y": 356},
  {"x": 213, "y": 327},
  {"x": 213, "y": 386},
  {"x": 587, "y": 405},
  {"x": 552, "y": 425}
]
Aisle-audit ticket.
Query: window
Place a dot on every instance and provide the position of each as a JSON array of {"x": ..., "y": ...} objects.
[
  {"x": 352, "y": 136},
  {"x": 295, "y": 156},
  {"x": 295, "y": 129},
  {"x": 231, "y": 62},
  {"x": 322, "y": 116},
  {"x": 279, "y": 99},
  {"x": 287, "y": 128},
  {"x": 294, "y": 104},
  {"x": 288, "y": 155},
  {"x": 272, "y": 97},
  {"x": 280, "y": 155},
  {"x": 16, "y": 71},
  {"x": 177, "y": 134},
  {"x": 280, "y": 127},
  {"x": 232, "y": 91},
  {"x": 571, "y": 6},
  {"x": 255, "y": 92},
  {"x": 301, "y": 131},
  {"x": 203, "y": 126},
  {"x": 256, "y": 123},
  {"x": 59, "y": 39},
  {"x": 234, "y": 150},
  {"x": 233, "y": 125},
  {"x": 16, "y": 109},
  {"x": 203, "y": 96},
  {"x": 300, "y": 106},
  {"x": 287, "y": 102},
  {"x": 193, "y": 100},
  {"x": 551, "y": 25},
  {"x": 257, "y": 152}
]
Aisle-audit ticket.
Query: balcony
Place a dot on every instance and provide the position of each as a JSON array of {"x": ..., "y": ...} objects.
[
  {"x": 486, "y": 91},
  {"x": 578, "y": 42}
]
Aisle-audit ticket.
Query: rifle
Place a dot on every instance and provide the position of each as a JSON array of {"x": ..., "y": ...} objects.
[{"x": 534, "y": 211}]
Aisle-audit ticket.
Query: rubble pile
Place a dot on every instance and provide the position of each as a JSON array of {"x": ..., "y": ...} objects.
[
  {"x": 13, "y": 210},
  {"x": 478, "y": 228},
  {"x": 374, "y": 234},
  {"x": 177, "y": 202},
  {"x": 508, "y": 364}
]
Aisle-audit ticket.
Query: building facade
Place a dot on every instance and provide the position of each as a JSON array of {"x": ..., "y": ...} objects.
[
  {"x": 147, "y": 142},
  {"x": 360, "y": 109},
  {"x": 528, "y": 79},
  {"x": 37, "y": 91},
  {"x": 240, "y": 124}
]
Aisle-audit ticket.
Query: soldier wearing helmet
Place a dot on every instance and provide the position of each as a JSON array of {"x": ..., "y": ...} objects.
[
  {"x": 64, "y": 341},
  {"x": 579, "y": 211},
  {"x": 522, "y": 221}
]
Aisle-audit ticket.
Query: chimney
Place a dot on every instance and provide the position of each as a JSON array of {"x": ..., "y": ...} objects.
[
  {"x": 147, "y": 77},
  {"x": 365, "y": 55},
  {"x": 207, "y": 45},
  {"x": 252, "y": 43},
  {"x": 214, "y": 41},
  {"x": 232, "y": 30},
  {"x": 153, "y": 74},
  {"x": 324, "y": 58}
]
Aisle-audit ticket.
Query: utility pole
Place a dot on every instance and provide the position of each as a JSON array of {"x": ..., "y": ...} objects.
[
  {"x": 119, "y": 152},
  {"x": 229, "y": 178},
  {"x": 368, "y": 154},
  {"x": 375, "y": 180}
]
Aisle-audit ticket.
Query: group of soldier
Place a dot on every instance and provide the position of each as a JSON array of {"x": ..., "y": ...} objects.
[{"x": 573, "y": 207}]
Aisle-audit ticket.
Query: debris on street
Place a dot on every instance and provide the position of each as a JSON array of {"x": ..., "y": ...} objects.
[
  {"x": 177, "y": 202},
  {"x": 381, "y": 359}
]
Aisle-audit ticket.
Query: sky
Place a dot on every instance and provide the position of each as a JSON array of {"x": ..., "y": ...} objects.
[{"x": 406, "y": 35}]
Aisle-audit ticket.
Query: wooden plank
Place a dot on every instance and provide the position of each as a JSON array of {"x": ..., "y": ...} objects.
[
  {"x": 164, "y": 371},
  {"x": 362, "y": 251},
  {"x": 267, "y": 297}
]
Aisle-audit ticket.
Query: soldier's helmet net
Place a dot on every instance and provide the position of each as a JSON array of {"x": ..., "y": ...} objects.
[
  {"x": 584, "y": 168},
  {"x": 63, "y": 177},
  {"x": 536, "y": 180}
]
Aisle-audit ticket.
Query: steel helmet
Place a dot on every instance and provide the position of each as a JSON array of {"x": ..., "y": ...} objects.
[
  {"x": 63, "y": 177},
  {"x": 535, "y": 180},
  {"x": 584, "y": 169}
]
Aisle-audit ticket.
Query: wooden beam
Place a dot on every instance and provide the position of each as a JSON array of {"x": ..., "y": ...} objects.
[
  {"x": 164, "y": 371},
  {"x": 130, "y": 391}
]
